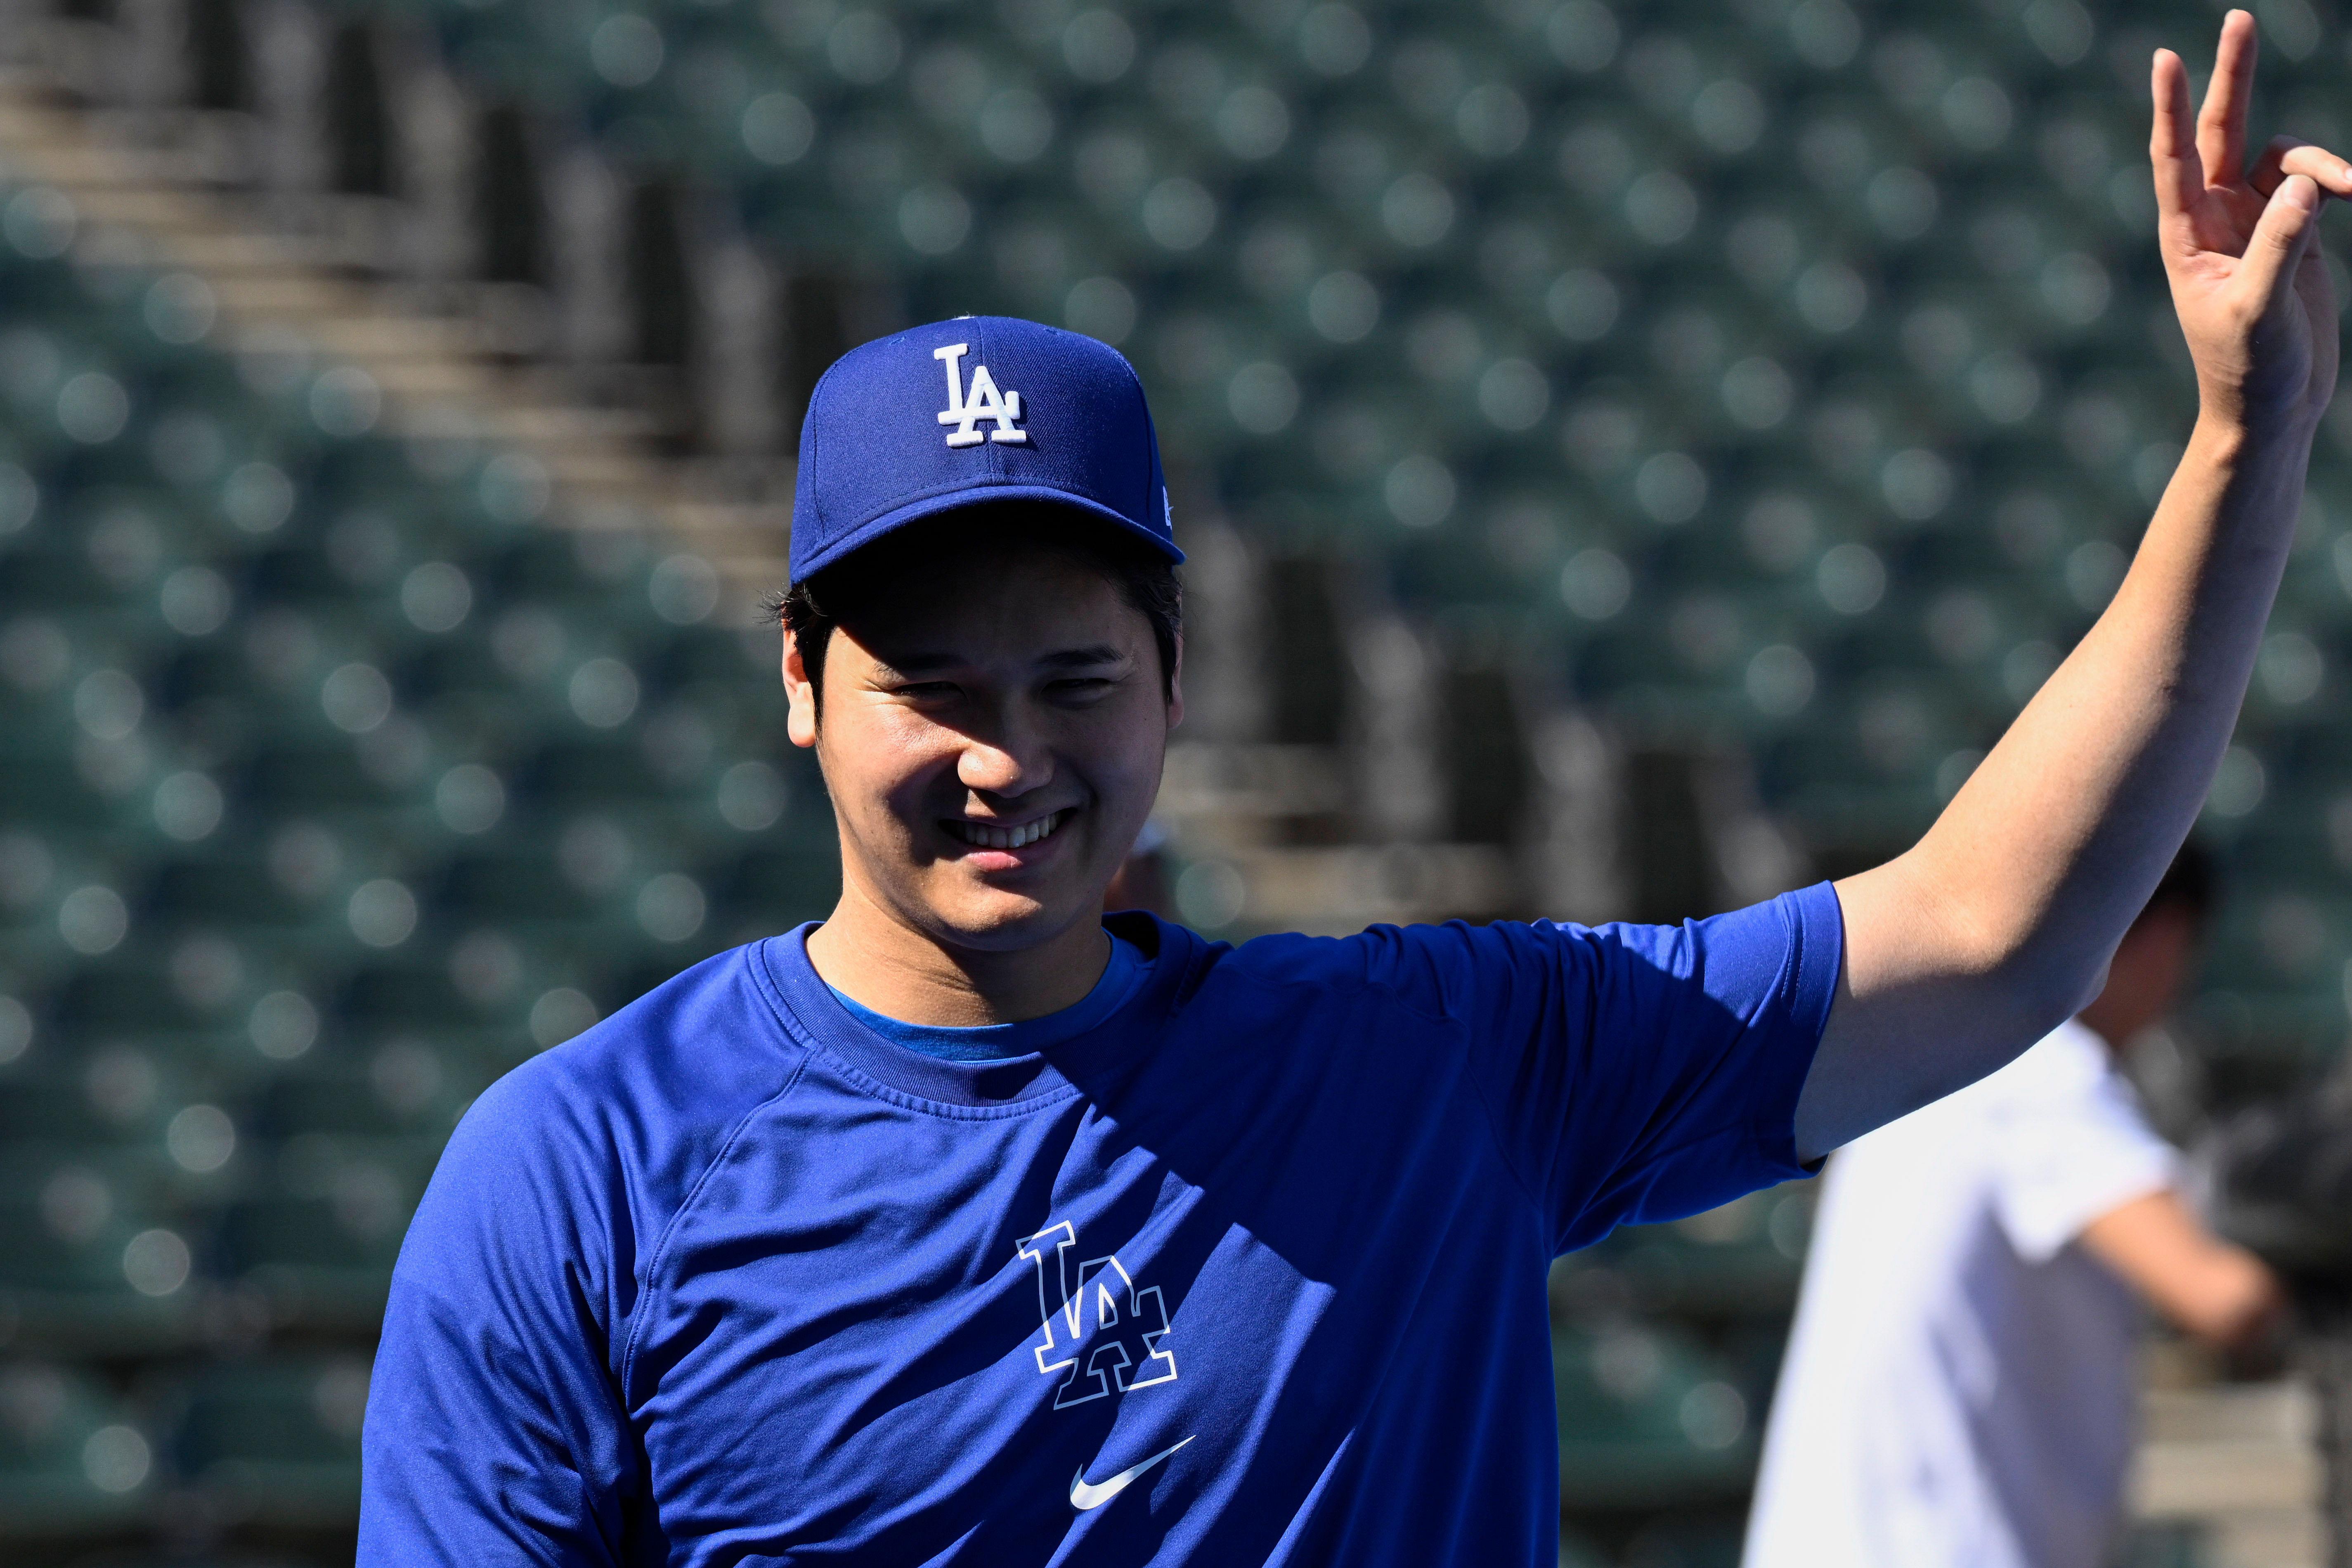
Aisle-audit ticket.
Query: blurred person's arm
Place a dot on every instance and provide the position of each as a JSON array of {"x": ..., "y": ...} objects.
[
  {"x": 1997, "y": 924},
  {"x": 2221, "y": 1293}
]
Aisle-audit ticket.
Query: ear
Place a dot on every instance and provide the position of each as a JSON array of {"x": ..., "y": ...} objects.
[
  {"x": 799, "y": 724},
  {"x": 1176, "y": 686}
]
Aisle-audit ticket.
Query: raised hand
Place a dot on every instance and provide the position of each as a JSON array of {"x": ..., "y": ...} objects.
[{"x": 2241, "y": 246}]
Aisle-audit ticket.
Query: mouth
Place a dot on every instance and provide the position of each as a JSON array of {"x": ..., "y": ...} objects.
[{"x": 1014, "y": 836}]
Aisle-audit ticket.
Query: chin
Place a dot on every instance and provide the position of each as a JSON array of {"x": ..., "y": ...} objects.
[{"x": 990, "y": 921}]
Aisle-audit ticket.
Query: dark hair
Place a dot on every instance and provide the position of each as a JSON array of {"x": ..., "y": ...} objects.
[
  {"x": 811, "y": 608},
  {"x": 2190, "y": 882}
]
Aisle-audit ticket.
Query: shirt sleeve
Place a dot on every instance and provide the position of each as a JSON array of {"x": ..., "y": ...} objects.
[
  {"x": 1639, "y": 1073},
  {"x": 494, "y": 1432},
  {"x": 2069, "y": 1144}
]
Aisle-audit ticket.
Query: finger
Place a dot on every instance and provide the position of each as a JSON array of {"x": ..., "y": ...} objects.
[
  {"x": 2221, "y": 124},
  {"x": 2179, "y": 172},
  {"x": 2280, "y": 239},
  {"x": 2266, "y": 173},
  {"x": 2332, "y": 174}
]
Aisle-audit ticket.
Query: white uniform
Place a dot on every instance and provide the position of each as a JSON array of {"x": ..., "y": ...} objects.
[{"x": 1959, "y": 1390}]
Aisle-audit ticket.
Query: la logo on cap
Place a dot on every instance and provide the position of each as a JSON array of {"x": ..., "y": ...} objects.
[{"x": 985, "y": 402}]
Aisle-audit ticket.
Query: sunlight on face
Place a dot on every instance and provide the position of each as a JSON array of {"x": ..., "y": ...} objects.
[{"x": 992, "y": 738}]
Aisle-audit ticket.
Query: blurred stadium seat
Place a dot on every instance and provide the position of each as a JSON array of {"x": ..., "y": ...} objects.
[{"x": 274, "y": 1444}]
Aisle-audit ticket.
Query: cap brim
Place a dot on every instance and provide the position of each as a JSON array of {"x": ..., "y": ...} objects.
[{"x": 970, "y": 496}]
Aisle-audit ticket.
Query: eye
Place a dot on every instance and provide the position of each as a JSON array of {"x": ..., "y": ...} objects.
[
  {"x": 928, "y": 691},
  {"x": 1080, "y": 688}
]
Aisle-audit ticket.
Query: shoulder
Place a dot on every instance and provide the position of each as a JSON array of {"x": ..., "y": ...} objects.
[
  {"x": 2068, "y": 1065},
  {"x": 612, "y": 1127},
  {"x": 1436, "y": 969},
  {"x": 2067, "y": 1099},
  {"x": 1414, "y": 964},
  {"x": 685, "y": 1052},
  {"x": 1796, "y": 936}
]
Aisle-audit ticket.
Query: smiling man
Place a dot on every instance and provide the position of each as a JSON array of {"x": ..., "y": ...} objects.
[
  {"x": 989, "y": 691},
  {"x": 970, "y": 1226}
]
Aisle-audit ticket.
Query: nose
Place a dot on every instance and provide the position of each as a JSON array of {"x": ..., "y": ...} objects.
[{"x": 1011, "y": 762}]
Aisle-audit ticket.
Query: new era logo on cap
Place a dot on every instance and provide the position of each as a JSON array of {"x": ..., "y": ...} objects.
[{"x": 1027, "y": 413}]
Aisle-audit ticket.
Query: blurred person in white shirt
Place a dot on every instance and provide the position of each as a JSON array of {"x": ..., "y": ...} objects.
[{"x": 1959, "y": 1387}]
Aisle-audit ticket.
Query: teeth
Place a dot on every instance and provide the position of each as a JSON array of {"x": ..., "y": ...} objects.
[{"x": 980, "y": 835}]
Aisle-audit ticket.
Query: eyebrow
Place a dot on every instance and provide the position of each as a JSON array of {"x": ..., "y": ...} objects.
[
  {"x": 1078, "y": 658},
  {"x": 1062, "y": 659}
]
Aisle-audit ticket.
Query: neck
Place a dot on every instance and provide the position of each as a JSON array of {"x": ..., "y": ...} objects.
[{"x": 877, "y": 961}]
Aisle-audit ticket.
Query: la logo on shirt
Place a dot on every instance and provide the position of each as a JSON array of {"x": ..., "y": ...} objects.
[{"x": 1101, "y": 1332}]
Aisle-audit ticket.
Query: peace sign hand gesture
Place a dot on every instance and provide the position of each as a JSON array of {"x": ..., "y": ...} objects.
[{"x": 2241, "y": 246}]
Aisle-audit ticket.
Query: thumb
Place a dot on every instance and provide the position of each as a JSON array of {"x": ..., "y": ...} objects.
[{"x": 2289, "y": 221}]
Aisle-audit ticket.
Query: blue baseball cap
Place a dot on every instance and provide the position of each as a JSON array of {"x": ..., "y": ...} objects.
[{"x": 982, "y": 408}]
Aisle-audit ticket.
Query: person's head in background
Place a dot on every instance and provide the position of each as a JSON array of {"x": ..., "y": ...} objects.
[{"x": 2157, "y": 956}]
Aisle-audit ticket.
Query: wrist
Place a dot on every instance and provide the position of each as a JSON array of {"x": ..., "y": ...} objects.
[{"x": 2232, "y": 438}]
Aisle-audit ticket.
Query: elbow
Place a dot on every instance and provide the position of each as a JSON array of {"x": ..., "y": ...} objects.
[
  {"x": 2043, "y": 989},
  {"x": 2049, "y": 968},
  {"x": 2036, "y": 972}
]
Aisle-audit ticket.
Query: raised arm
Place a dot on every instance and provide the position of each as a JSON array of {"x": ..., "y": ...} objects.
[{"x": 1999, "y": 924}]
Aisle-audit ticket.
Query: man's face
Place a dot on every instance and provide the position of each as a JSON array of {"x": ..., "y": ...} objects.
[{"x": 992, "y": 738}]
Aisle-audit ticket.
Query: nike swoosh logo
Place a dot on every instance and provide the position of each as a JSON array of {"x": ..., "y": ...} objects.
[{"x": 1084, "y": 1497}]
